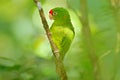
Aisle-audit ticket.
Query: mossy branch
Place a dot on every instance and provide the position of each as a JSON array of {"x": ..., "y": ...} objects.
[{"x": 59, "y": 63}]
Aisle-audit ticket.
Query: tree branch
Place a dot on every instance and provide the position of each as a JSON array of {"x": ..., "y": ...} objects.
[
  {"x": 88, "y": 39},
  {"x": 115, "y": 4},
  {"x": 59, "y": 63}
]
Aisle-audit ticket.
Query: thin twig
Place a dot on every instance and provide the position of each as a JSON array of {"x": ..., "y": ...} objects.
[{"x": 59, "y": 63}]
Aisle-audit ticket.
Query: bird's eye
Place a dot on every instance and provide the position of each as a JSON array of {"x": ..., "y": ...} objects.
[{"x": 54, "y": 13}]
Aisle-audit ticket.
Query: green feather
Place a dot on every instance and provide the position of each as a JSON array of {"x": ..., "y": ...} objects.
[{"x": 62, "y": 31}]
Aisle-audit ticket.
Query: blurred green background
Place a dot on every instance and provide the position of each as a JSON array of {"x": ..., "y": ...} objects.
[{"x": 25, "y": 53}]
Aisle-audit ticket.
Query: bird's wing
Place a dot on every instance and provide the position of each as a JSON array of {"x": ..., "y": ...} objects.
[{"x": 66, "y": 41}]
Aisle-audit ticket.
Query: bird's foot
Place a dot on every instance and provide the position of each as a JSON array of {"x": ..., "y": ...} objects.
[
  {"x": 57, "y": 53},
  {"x": 50, "y": 33}
]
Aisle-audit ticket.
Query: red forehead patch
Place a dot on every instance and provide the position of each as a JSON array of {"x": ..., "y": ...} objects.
[{"x": 51, "y": 12}]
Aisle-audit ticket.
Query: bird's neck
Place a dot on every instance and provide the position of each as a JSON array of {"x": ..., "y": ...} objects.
[
  {"x": 61, "y": 22},
  {"x": 64, "y": 23}
]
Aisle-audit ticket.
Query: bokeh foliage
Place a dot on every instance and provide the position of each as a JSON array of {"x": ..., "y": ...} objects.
[{"x": 25, "y": 53}]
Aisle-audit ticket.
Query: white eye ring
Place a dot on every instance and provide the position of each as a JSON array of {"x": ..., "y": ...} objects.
[{"x": 54, "y": 13}]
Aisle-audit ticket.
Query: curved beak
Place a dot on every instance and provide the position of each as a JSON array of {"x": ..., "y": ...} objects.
[{"x": 50, "y": 16}]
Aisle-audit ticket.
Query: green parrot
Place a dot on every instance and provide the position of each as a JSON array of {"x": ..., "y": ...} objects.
[{"x": 62, "y": 29}]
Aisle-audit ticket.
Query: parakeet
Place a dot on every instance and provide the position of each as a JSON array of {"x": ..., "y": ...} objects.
[{"x": 62, "y": 29}]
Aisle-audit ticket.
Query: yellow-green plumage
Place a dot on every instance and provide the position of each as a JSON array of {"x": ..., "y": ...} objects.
[{"x": 62, "y": 30}]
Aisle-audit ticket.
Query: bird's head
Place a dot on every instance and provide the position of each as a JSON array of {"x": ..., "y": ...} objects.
[{"x": 59, "y": 14}]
